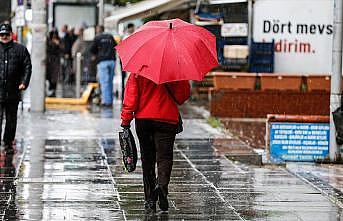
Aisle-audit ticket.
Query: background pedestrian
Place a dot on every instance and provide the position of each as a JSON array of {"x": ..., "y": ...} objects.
[
  {"x": 79, "y": 46},
  {"x": 103, "y": 49},
  {"x": 54, "y": 51},
  {"x": 67, "y": 43},
  {"x": 15, "y": 74}
]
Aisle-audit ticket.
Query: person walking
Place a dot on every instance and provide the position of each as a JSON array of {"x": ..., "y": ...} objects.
[
  {"x": 67, "y": 43},
  {"x": 154, "y": 107},
  {"x": 79, "y": 46},
  {"x": 15, "y": 74},
  {"x": 130, "y": 29},
  {"x": 53, "y": 62},
  {"x": 103, "y": 49},
  {"x": 162, "y": 57}
]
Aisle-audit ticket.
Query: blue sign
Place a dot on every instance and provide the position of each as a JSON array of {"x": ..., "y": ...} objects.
[{"x": 299, "y": 141}]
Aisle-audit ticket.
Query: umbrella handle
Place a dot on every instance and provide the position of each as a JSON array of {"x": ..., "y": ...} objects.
[{"x": 170, "y": 25}]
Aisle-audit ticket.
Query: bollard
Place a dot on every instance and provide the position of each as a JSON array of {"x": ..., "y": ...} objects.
[{"x": 78, "y": 75}]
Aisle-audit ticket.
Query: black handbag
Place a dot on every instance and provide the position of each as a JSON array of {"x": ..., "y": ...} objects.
[
  {"x": 128, "y": 149},
  {"x": 179, "y": 127}
]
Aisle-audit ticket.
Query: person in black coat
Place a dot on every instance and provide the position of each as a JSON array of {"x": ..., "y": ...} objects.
[
  {"x": 67, "y": 44},
  {"x": 53, "y": 62},
  {"x": 15, "y": 74}
]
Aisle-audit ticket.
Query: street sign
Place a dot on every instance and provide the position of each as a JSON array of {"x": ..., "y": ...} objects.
[{"x": 299, "y": 141}]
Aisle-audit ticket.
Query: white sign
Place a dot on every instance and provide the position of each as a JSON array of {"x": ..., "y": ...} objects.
[
  {"x": 20, "y": 15},
  {"x": 226, "y": 1},
  {"x": 74, "y": 15},
  {"x": 302, "y": 31},
  {"x": 234, "y": 30}
]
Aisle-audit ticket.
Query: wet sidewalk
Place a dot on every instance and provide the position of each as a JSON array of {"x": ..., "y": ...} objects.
[
  {"x": 326, "y": 178},
  {"x": 68, "y": 167}
]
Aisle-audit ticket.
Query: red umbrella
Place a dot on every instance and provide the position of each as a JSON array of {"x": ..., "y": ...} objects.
[{"x": 169, "y": 50}]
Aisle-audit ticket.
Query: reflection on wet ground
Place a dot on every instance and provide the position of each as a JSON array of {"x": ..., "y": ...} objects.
[
  {"x": 7, "y": 187},
  {"x": 9, "y": 170},
  {"x": 83, "y": 179},
  {"x": 207, "y": 186},
  {"x": 72, "y": 171},
  {"x": 66, "y": 180},
  {"x": 325, "y": 177}
]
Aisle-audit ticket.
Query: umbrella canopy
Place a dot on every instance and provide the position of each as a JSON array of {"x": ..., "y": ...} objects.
[{"x": 169, "y": 50}]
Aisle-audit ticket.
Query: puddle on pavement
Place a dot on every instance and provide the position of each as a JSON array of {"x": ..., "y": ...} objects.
[
  {"x": 209, "y": 187},
  {"x": 7, "y": 186},
  {"x": 61, "y": 180}
]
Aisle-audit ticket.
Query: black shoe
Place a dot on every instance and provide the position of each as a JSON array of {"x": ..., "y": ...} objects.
[
  {"x": 150, "y": 207},
  {"x": 107, "y": 105},
  {"x": 9, "y": 151},
  {"x": 162, "y": 199}
]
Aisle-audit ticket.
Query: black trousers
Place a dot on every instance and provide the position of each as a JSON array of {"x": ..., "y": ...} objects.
[
  {"x": 156, "y": 141},
  {"x": 8, "y": 109}
]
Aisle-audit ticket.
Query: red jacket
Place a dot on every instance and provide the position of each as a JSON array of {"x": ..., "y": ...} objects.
[{"x": 143, "y": 99}]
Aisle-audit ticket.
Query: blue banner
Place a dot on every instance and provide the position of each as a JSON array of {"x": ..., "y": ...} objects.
[{"x": 299, "y": 141}]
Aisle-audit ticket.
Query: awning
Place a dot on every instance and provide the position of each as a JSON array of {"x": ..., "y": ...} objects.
[{"x": 142, "y": 9}]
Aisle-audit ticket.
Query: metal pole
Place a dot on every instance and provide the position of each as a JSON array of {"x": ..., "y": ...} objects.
[
  {"x": 78, "y": 75},
  {"x": 197, "y": 6},
  {"x": 336, "y": 76},
  {"x": 50, "y": 14},
  {"x": 267, "y": 139},
  {"x": 39, "y": 30},
  {"x": 101, "y": 12},
  {"x": 20, "y": 19},
  {"x": 20, "y": 34},
  {"x": 250, "y": 21},
  {"x": 14, "y": 5}
]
